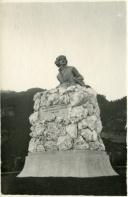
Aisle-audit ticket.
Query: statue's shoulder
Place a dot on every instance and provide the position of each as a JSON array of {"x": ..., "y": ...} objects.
[{"x": 70, "y": 67}]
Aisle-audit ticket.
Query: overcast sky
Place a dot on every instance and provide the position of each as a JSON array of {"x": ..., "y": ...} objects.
[{"x": 92, "y": 35}]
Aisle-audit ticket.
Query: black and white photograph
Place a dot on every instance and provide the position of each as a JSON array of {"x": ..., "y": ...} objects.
[{"x": 63, "y": 97}]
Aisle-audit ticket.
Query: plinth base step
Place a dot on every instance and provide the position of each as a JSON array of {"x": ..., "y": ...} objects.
[{"x": 67, "y": 164}]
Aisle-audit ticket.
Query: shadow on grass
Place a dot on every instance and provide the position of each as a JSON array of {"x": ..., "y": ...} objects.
[{"x": 112, "y": 185}]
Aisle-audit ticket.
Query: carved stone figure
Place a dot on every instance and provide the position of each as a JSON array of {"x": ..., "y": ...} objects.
[{"x": 68, "y": 75}]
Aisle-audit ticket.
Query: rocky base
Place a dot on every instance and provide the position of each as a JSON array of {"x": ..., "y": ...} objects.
[{"x": 66, "y": 118}]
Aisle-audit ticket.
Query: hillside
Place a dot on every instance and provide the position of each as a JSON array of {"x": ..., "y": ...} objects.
[{"x": 113, "y": 116}]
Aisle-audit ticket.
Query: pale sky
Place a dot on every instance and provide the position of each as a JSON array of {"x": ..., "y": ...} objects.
[{"x": 92, "y": 35}]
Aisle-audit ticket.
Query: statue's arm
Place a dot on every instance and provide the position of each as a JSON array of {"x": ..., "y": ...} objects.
[
  {"x": 77, "y": 74},
  {"x": 59, "y": 77}
]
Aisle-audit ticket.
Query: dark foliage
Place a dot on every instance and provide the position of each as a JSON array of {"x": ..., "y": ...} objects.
[
  {"x": 113, "y": 114},
  {"x": 16, "y": 109}
]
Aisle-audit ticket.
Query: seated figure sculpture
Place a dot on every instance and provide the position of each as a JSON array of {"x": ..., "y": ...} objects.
[{"x": 68, "y": 75}]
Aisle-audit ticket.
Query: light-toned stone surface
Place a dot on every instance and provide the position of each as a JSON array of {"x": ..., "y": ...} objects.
[
  {"x": 37, "y": 129},
  {"x": 66, "y": 118},
  {"x": 90, "y": 109},
  {"x": 35, "y": 145},
  {"x": 50, "y": 145},
  {"x": 87, "y": 134},
  {"x": 36, "y": 104},
  {"x": 72, "y": 163},
  {"x": 82, "y": 124},
  {"x": 80, "y": 144},
  {"x": 91, "y": 121},
  {"x": 64, "y": 142},
  {"x": 72, "y": 130},
  {"x": 34, "y": 118},
  {"x": 94, "y": 136}
]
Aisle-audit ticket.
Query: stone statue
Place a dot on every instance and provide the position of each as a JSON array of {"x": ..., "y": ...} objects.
[
  {"x": 67, "y": 116},
  {"x": 68, "y": 75}
]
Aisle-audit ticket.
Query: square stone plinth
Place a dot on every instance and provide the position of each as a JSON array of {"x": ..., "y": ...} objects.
[{"x": 72, "y": 163}]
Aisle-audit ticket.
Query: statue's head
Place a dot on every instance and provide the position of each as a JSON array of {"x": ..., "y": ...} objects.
[{"x": 61, "y": 60}]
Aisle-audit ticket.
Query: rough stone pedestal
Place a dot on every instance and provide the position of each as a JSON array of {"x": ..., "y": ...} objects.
[{"x": 65, "y": 138}]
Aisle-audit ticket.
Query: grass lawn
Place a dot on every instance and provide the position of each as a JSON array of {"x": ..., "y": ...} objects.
[{"x": 114, "y": 186}]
